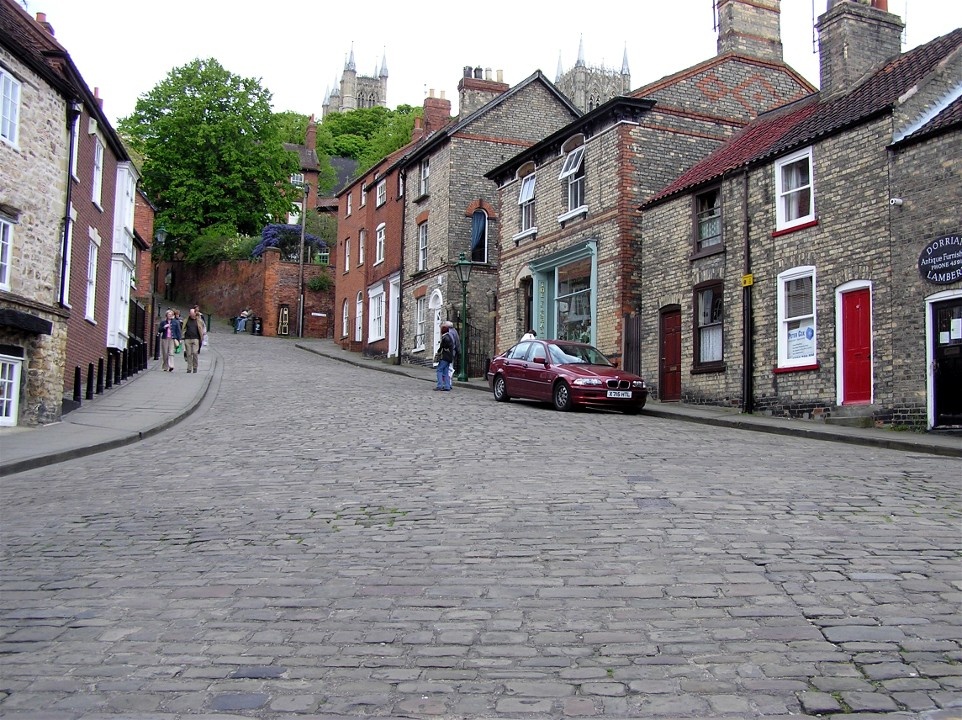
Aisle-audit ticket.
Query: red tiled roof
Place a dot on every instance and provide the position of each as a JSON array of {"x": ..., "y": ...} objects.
[{"x": 801, "y": 123}]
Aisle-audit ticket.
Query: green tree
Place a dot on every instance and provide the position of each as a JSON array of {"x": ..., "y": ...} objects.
[
  {"x": 292, "y": 126},
  {"x": 393, "y": 135},
  {"x": 213, "y": 153}
]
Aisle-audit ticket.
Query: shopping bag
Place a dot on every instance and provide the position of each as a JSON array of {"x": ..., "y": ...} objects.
[{"x": 177, "y": 348}]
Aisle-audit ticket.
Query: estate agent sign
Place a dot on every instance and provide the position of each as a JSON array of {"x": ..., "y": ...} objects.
[{"x": 941, "y": 260}]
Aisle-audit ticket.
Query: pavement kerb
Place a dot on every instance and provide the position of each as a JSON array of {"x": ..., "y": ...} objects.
[
  {"x": 884, "y": 439},
  {"x": 133, "y": 436}
]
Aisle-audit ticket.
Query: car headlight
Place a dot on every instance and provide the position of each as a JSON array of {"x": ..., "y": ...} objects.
[
  {"x": 637, "y": 384},
  {"x": 588, "y": 381}
]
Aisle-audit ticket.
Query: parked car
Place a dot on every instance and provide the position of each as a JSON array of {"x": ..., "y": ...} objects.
[{"x": 566, "y": 374}]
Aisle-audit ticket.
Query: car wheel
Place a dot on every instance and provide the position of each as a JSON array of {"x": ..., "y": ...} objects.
[
  {"x": 562, "y": 396},
  {"x": 500, "y": 389}
]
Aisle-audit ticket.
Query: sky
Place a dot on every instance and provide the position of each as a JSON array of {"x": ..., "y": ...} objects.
[{"x": 298, "y": 49}]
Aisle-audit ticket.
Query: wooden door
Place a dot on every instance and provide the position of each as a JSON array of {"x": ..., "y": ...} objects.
[
  {"x": 856, "y": 347},
  {"x": 669, "y": 381}
]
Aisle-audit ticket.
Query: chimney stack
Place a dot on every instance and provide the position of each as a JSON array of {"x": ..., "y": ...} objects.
[
  {"x": 310, "y": 136},
  {"x": 437, "y": 113},
  {"x": 42, "y": 20},
  {"x": 750, "y": 27},
  {"x": 474, "y": 91},
  {"x": 855, "y": 37}
]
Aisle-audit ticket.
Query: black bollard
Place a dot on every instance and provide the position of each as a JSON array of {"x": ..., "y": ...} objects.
[
  {"x": 125, "y": 364},
  {"x": 90, "y": 381},
  {"x": 76, "y": 384},
  {"x": 100, "y": 375},
  {"x": 110, "y": 370}
]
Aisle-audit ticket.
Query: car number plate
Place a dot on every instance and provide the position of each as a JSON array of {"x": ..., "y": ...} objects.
[{"x": 620, "y": 394}]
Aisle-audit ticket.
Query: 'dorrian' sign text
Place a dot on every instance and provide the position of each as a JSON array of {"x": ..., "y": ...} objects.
[{"x": 941, "y": 260}]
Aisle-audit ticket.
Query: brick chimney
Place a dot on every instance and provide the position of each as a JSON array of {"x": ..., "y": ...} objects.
[
  {"x": 750, "y": 27},
  {"x": 855, "y": 37},
  {"x": 474, "y": 91},
  {"x": 42, "y": 20},
  {"x": 437, "y": 112},
  {"x": 310, "y": 135}
]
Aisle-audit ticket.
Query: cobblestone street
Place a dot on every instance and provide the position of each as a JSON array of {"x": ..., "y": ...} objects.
[{"x": 321, "y": 540}]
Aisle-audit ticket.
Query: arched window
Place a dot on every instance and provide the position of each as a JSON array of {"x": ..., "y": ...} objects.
[
  {"x": 359, "y": 317},
  {"x": 479, "y": 236}
]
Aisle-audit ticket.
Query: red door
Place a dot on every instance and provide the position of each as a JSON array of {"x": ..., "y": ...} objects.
[
  {"x": 856, "y": 347},
  {"x": 670, "y": 371}
]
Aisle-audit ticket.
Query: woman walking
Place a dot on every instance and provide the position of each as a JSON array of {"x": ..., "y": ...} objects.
[{"x": 170, "y": 337}]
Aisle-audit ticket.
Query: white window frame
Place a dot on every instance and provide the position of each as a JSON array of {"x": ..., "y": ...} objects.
[
  {"x": 350, "y": 204},
  {"x": 526, "y": 199},
  {"x": 572, "y": 172},
  {"x": 93, "y": 256},
  {"x": 68, "y": 256},
  {"x": 375, "y": 322},
  {"x": 345, "y": 319},
  {"x": 420, "y": 317},
  {"x": 361, "y": 242},
  {"x": 75, "y": 150},
  {"x": 787, "y": 192},
  {"x": 424, "y": 176},
  {"x": 359, "y": 318},
  {"x": 10, "y": 369},
  {"x": 362, "y": 196},
  {"x": 10, "y": 89},
  {"x": 96, "y": 194},
  {"x": 6, "y": 251},
  {"x": 423, "y": 246},
  {"x": 787, "y": 347},
  {"x": 381, "y": 192},
  {"x": 379, "y": 238},
  {"x": 347, "y": 255}
]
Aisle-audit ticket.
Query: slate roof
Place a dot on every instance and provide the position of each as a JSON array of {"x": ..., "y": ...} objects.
[{"x": 794, "y": 126}]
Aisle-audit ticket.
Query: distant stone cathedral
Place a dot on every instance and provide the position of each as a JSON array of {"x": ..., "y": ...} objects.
[
  {"x": 357, "y": 91},
  {"x": 589, "y": 87}
]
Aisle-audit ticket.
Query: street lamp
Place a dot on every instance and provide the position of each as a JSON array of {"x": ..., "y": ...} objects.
[
  {"x": 463, "y": 269},
  {"x": 160, "y": 234},
  {"x": 306, "y": 189}
]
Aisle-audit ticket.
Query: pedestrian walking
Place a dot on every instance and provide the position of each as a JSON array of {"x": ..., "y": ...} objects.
[
  {"x": 194, "y": 333},
  {"x": 456, "y": 339},
  {"x": 170, "y": 337},
  {"x": 443, "y": 357}
]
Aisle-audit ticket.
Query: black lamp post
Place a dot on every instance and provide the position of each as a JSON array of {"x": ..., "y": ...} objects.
[
  {"x": 463, "y": 269},
  {"x": 160, "y": 234}
]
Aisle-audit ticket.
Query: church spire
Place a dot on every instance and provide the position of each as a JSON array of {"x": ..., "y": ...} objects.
[
  {"x": 383, "y": 73},
  {"x": 350, "y": 63},
  {"x": 581, "y": 52},
  {"x": 624, "y": 62},
  {"x": 560, "y": 72}
]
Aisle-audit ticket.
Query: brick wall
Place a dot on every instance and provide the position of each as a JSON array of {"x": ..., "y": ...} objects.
[{"x": 225, "y": 289}]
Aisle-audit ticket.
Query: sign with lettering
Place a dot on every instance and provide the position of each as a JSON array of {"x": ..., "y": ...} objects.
[{"x": 941, "y": 260}]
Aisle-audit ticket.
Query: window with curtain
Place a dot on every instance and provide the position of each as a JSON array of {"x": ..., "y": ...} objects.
[
  {"x": 573, "y": 173},
  {"x": 709, "y": 318},
  {"x": 708, "y": 226},
  {"x": 479, "y": 236},
  {"x": 793, "y": 190},
  {"x": 526, "y": 201}
]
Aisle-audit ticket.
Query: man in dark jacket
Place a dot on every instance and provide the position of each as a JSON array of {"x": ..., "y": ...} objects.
[{"x": 194, "y": 332}]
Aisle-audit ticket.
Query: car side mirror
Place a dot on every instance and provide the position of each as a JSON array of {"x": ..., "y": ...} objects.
[{"x": 540, "y": 361}]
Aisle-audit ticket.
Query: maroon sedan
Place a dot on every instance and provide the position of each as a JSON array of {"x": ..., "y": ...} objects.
[{"x": 566, "y": 374}]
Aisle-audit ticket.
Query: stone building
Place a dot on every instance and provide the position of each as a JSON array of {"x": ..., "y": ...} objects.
[
  {"x": 812, "y": 266},
  {"x": 354, "y": 91},
  {"x": 591, "y": 86},
  {"x": 68, "y": 245},
  {"x": 370, "y": 246},
  {"x": 452, "y": 208},
  {"x": 569, "y": 262}
]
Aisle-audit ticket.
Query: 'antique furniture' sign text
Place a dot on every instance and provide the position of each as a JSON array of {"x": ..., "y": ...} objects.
[{"x": 941, "y": 260}]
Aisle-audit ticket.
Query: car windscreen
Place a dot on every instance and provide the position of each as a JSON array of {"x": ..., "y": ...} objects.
[{"x": 563, "y": 354}]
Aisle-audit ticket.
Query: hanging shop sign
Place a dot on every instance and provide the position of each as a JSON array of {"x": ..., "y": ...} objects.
[{"x": 941, "y": 260}]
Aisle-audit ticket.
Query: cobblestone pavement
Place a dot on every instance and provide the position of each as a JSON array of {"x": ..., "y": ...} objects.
[{"x": 320, "y": 540}]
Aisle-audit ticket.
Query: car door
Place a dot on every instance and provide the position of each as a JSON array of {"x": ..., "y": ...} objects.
[
  {"x": 537, "y": 376},
  {"x": 514, "y": 369}
]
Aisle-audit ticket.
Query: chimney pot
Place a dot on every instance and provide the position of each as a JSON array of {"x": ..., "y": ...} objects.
[
  {"x": 467, "y": 71},
  {"x": 477, "y": 73}
]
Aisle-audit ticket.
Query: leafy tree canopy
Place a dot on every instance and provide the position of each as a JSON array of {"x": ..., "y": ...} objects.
[{"x": 213, "y": 152}]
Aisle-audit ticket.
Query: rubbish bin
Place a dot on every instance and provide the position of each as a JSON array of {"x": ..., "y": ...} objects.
[{"x": 258, "y": 326}]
